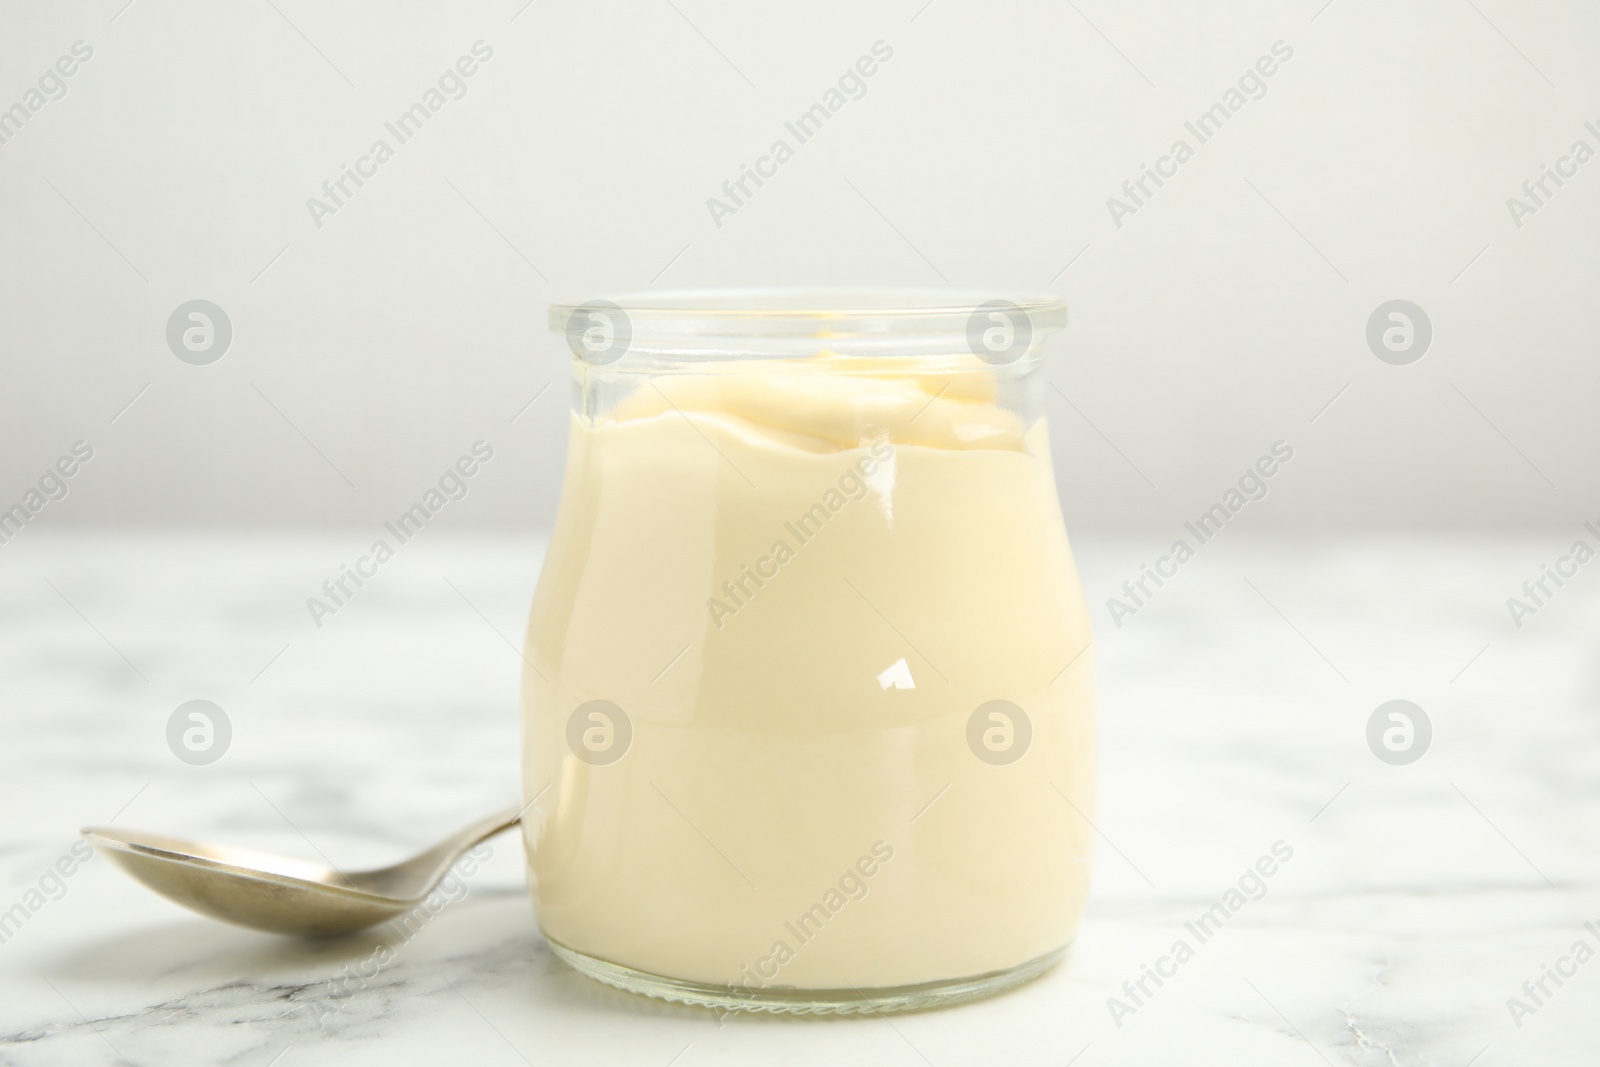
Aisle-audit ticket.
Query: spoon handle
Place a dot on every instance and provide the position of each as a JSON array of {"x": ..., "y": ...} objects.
[
  {"x": 451, "y": 849},
  {"x": 417, "y": 876},
  {"x": 487, "y": 827}
]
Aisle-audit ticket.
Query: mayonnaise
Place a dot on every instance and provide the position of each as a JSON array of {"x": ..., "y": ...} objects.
[{"x": 799, "y": 581}]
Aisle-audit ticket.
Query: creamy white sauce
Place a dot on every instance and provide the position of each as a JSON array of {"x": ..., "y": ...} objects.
[{"x": 780, "y": 749}]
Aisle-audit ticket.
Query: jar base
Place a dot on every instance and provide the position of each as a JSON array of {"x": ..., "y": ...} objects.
[{"x": 788, "y": 1000}]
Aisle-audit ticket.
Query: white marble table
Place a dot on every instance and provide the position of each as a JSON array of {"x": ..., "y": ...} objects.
[{"x": 1234, "y": 706}]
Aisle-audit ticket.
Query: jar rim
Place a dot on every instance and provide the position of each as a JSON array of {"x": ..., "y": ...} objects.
[{"x": 810, "y": 312}]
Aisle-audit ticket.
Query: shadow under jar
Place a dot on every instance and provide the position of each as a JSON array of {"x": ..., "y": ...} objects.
[{"x": 808, "y": 703}]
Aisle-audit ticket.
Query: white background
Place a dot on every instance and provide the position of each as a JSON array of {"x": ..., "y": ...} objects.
[{"x": 1223, "y": 316}]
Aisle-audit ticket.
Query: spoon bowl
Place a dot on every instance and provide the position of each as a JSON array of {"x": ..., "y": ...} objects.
[{"x": 281, "y": 894}]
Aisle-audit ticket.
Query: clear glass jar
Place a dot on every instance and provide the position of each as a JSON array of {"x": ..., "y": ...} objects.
[{"x": 808, "y": 704}]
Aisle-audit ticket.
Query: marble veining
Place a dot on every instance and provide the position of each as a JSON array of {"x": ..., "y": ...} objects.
[{"x": 1420, "y": 899}]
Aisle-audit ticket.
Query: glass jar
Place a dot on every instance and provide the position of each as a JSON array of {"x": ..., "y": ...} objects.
[{"x": 808, "y": 703}]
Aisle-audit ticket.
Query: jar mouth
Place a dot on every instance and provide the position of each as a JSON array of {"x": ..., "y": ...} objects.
[{"x": 789, "y": 322}]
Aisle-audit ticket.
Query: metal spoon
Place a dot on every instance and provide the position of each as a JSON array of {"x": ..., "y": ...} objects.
[{"x": 282, "y": 894}]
